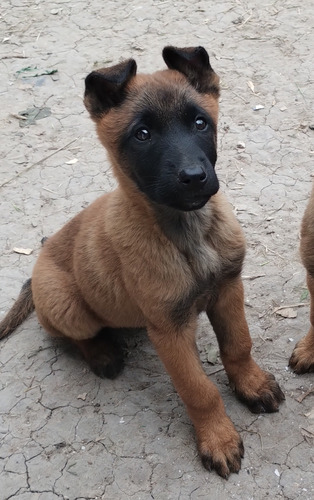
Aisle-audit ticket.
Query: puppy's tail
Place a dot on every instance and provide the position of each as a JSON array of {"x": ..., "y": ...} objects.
[{"x": 21, "y": 308}]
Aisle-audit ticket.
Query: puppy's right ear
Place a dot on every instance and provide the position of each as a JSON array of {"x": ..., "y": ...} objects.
[{"x": 105, "y": 88}]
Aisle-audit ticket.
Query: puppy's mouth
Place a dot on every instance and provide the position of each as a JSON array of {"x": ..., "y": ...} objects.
[
  {"x": 194, "y": 205},
  {"x": 187, "y": 205},
  {"x": 188, "y": 201},
  {"x": 197, "y": 204}
]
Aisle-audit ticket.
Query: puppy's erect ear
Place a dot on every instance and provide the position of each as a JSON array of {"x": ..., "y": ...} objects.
[
  {"x": 105, "y": 88},
  {"x": 194, "y": 63}
]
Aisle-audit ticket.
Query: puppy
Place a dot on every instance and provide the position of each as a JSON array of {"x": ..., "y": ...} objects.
[
  {"x": 158, "y": 250},
  {"x": 302, "y": 358}
]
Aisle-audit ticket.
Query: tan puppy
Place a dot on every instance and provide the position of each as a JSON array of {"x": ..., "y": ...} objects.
[
  {"x": 302, "y": 358},
  {"x": 158, "y": 250}
]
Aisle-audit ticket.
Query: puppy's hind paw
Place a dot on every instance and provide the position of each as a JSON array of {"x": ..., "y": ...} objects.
[
  {"x": 104, "y": 368},
  {"x": 103, "y": 353}
]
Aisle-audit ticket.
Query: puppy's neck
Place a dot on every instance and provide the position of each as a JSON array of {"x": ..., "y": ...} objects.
[
  {"x": 189, "y": 232},
  {"x": 186, "y": 230}
]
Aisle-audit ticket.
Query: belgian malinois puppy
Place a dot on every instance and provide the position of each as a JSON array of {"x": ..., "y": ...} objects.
[
  {"x": 302, "y": 358},
  {"x": 158, "y": 250}
]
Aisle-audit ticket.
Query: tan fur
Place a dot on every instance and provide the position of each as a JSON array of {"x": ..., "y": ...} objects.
[
  {"x": 302, "y": 358},
  {"x": 123, "y": 263}
]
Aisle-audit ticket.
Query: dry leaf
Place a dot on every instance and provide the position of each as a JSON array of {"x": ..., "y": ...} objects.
[
  {"x": 287, "y": 312},
  {"x": 71, "y": 162},
  {"x": 24, "y": 251}
]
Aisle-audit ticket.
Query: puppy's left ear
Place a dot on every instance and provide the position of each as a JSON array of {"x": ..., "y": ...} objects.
[{"x": 194, "y": 63}]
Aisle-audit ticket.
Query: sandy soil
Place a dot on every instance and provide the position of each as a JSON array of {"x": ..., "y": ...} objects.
[{"x": 65, "y": 434}]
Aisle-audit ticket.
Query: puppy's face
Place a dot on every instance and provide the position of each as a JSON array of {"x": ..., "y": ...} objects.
[{"x": 162, "y": 131}]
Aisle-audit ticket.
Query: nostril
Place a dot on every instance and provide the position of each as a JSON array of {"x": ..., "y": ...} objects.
[
  {"x": 184, "y": 177},
  {"x": 194, "y": 176}
]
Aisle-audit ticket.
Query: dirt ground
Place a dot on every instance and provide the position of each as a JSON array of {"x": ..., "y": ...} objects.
[{"x": 66, "y": 434}]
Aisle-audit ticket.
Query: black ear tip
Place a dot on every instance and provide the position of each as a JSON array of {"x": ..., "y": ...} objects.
[
  {"x": 132, "y": 67},
  {"x": 127, "y": 69},
  {"x": 201, "y": 50},
  {"x": 90, "y": 79},
  {"x": 166, "y": 49},
  {"x": 203, "y": 53},
  {"x": 195, "y": 54}
]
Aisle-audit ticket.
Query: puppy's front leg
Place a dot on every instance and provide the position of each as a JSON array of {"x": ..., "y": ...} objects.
[
  {"x": 255, "y": 387},
  {"x": 302, "y": 358},
  {"x": 219, "y": 444}
]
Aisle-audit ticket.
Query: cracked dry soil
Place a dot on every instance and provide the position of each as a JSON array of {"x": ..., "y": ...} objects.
[{"x": 65, "y": 434}]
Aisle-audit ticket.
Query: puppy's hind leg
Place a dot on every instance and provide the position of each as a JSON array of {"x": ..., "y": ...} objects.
[
  {"x": 62, "y": 311},
  {"x": 103, "y": 353}
]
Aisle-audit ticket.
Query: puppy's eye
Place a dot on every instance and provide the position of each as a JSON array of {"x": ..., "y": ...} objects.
[
  {"x": 200, "y": 123},
  {"x": 142, "y": 134}
]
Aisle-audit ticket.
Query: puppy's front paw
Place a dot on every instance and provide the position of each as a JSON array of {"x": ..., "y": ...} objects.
[
  {"x": 258, "y": 390},
  {"x": 220, "y": 447},
  {"x": 302, "y": 357}
]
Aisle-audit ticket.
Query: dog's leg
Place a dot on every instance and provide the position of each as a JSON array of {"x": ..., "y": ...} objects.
[
  {"x": 255, "y": 387},
  {"x": 302, "y": 357},
  {"x": 62, "y": 311},
  {"x": 103, "y": 353},
  {"x": 219, "y": 444}
]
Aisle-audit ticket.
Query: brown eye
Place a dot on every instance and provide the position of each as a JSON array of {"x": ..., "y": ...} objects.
[
  {"x": 200, "y": 124},
  {"x": 142, "y": 134}
]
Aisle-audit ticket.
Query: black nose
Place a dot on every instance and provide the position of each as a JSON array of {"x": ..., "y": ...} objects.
[{"x": 193, "y": 177}]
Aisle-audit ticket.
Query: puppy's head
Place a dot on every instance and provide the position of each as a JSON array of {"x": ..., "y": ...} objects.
[{"x": 160, "y": 129}]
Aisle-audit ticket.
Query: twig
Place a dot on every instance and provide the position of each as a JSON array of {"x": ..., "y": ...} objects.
[
  {"x": 254, "y": 432},
  {"x": 254, "y": 277},
  {"x": 247, "y": 20},
  {"x": 303, "y": 396},
  {"x": 308, "y": 432},
  {"x": 34, "y": 164},
  {"x": 300, "y": 304},
  {"x": 31, "y": 388},
  {"x": 19, "y": 117},
  {"x": 273, "y": 252},
  {"x": 49, "y": 190},
  {"x": 240, "y": 97},
  {"x": 13, "y": 57},
  {"x": 216, "y": 371}
]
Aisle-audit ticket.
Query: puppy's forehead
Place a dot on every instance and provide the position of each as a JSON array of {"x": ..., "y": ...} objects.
[
  {"x": 162, "y": 102},
  {"x": 164, "y": 95}
]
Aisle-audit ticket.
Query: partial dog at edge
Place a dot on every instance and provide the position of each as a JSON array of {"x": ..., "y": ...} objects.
[
  {"x": 158, "y": 250},
  {"x": 302, "y": 358}
]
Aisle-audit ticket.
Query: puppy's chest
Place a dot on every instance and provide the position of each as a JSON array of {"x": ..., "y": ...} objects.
[
  {"x": 201, "y": 271},
  {"x": 204, "y": 265}
]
